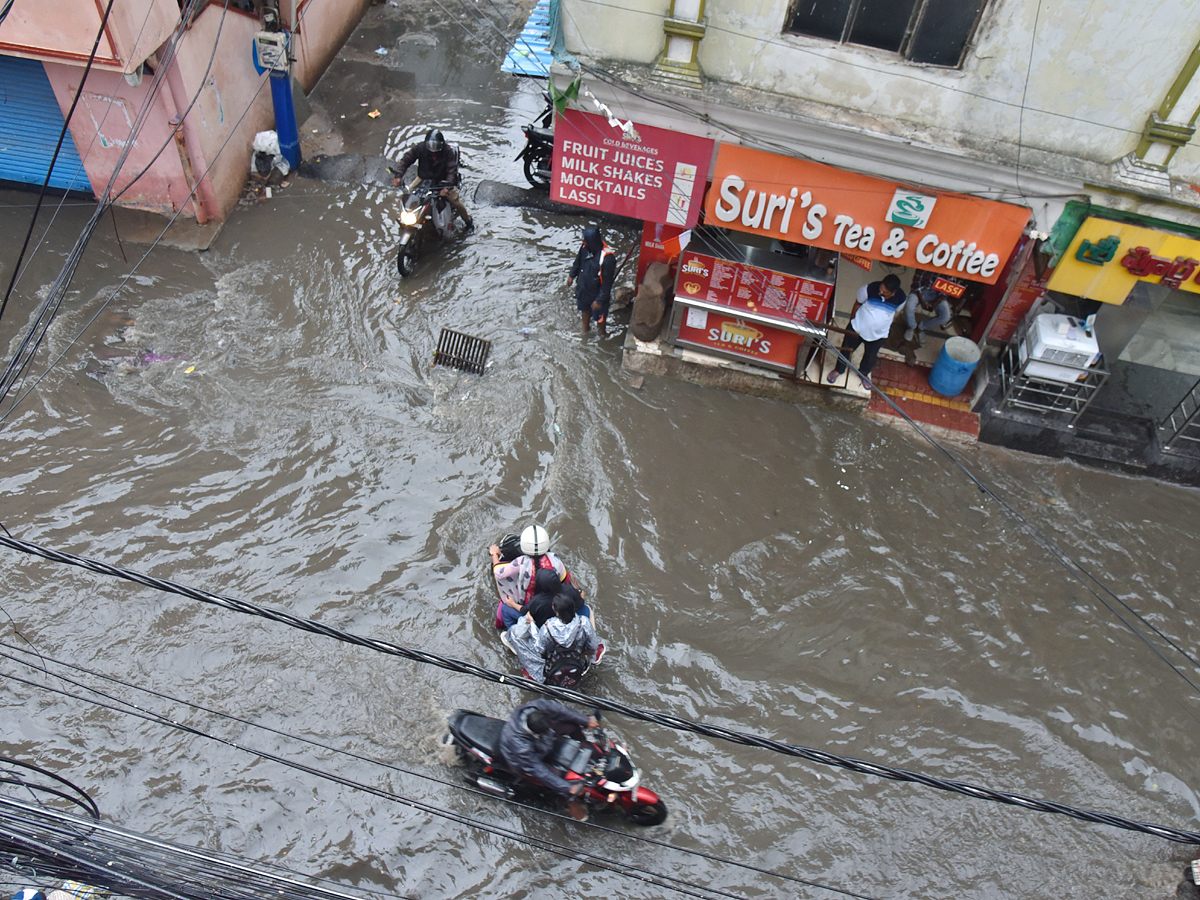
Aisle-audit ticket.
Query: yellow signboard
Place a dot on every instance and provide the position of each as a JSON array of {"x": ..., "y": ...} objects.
[{"x": 1106, "y": 259}]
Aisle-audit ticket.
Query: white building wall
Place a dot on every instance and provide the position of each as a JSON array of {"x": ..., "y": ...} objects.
[{"x": 1077, "y": 89}]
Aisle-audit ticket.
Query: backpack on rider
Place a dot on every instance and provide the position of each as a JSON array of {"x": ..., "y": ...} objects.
[{"x": 564, "y": 666}]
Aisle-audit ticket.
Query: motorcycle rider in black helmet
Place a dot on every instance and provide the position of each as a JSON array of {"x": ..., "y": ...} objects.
[{"x": 436, "y": 160}]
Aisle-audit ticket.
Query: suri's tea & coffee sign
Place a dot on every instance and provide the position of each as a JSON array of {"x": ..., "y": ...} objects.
[{"x": 810, "y": 203}]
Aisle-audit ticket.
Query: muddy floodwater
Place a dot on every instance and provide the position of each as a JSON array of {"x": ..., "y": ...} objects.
[{"x": 261, "y": 420}]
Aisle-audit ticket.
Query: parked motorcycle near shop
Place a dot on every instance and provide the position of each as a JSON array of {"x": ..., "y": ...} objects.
[{"x": 539, "y": 146}]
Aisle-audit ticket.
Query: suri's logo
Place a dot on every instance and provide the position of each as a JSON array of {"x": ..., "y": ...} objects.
[
  {"x": 909, "y": 208},
  {"x": 739, "y": 333},
  {"x": 693, "y": 267}
]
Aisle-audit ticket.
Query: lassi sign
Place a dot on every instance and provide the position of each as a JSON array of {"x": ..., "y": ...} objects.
[{"x": 809, "y": 203}]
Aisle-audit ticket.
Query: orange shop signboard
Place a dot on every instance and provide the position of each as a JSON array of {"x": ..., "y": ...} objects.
[
  {"x": 815, "y": 204},
  {"x": 1106, "y": 259}
]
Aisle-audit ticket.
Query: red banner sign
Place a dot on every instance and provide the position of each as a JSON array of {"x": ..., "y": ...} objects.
[
  {"x": 1027, "y": 290},
  {"x": 749, "y": 288},
  {"x": 749, "y": 340},
  {"x": 651, "y": 174}
]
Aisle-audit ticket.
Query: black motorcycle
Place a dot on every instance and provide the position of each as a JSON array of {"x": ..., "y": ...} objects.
[
  {"x": 539, "y": 146},
  {"x": 424, "y": 213}
]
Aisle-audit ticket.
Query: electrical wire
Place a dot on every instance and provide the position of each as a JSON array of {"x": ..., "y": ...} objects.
[
  {"x": 750, "y": 139},
  {"x": 1037, "y": 16},
  {"x": 387, "y": 765},
  {"x": 136, "y": 865},
  {"x": 982, "y": 487},
  {"x": 49, "y": 310},
  {"x": 862, "y": 767},
  {"x": 910, "y": 73},
  {"x": 76, "y": 795},
  {"x": 1086, "y": 579},
  {"x": 49, "y": 307},
  {"x": 29, "y": 388},
  {"x": 175, "y": 129},
  {"x": 639, "y": 873},
  {"x": 1075, "y": 569},
  {"x": 84, "y": 153}
]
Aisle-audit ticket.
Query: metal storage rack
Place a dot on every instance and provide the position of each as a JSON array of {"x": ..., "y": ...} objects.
[
  {"x": 1179, "y": 433},
  {"x": 1053, "y": 398}
]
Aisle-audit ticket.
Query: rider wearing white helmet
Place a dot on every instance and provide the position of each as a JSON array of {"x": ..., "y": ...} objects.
[
  {"x": 515, "y": 579},
  {"x": 535, "y": 541}
]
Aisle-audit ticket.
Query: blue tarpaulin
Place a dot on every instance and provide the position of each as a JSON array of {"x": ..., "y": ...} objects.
[{"x": 531, "y": 54}]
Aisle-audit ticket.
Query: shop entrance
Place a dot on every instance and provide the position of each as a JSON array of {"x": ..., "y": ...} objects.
[
  {"x": 1152, "y": 346},
  {"x": 947, "y": 312},
  {"x": 747, "y": 297}
]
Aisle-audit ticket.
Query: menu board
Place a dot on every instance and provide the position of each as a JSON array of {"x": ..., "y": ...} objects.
[{"x": 752, "y": 289}]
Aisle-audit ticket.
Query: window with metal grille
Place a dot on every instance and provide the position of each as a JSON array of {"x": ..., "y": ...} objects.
[{"x": 934, "y": 32}]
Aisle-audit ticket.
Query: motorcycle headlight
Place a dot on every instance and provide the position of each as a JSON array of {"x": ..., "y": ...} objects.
[{"x": 408, "y": 216}]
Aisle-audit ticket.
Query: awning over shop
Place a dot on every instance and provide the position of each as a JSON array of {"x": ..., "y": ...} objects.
[{"x": 810, "y": 203}]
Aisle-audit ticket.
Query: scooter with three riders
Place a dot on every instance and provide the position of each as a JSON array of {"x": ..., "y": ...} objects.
[
  {"x": 424, "y": 213},
  {"x": 611, "y": 780},
  {"x": 563, "y": 669}
]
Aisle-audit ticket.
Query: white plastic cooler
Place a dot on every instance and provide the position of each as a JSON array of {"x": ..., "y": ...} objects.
[{"x": 1061, "y": 339}]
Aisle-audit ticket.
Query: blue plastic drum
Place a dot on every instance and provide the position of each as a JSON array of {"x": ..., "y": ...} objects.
[{"x": 953, "y": 368}]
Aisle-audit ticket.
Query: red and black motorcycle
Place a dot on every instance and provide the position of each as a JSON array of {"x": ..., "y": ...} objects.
[{"x": 611, "y": 781}]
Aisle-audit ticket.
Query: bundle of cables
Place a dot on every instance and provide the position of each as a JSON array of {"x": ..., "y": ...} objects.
[{"x": 41, "y": 844}]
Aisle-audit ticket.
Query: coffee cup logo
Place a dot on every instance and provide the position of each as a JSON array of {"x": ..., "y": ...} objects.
[{"x": 911, "y": 209}]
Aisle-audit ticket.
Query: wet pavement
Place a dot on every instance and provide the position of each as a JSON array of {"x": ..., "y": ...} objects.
[{"x": 261, "y": 420}]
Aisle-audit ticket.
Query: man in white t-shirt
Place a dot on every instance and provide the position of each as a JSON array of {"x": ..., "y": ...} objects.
[{"x": 870, "y": 321}]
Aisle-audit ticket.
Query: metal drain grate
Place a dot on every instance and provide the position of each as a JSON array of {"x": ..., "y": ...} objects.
[{"x": 461, "y": 351}]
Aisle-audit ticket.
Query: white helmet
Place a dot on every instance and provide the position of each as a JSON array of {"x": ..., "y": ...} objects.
[{"x": 535, "y": 541}]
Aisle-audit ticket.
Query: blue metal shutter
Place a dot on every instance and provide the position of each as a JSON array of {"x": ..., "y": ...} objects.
[{"x": 30, "y": 122}]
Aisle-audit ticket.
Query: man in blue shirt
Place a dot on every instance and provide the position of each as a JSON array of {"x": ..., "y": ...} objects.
[{"x": 870, "y": 321}]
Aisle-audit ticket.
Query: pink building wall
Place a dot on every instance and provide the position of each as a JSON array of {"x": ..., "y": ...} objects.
[
  {"x": 212, "y": 84},
  {"x": 66, "y": 30}
]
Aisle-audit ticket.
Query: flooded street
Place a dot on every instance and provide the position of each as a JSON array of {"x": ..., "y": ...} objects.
[{"x": 261, "y": 420}]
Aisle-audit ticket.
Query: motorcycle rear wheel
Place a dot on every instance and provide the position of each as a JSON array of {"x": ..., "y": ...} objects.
[
  {"x": 406, "y": 258},
  {"x": 537, "y": 167},
  {"x": 647, "y": 814}
]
